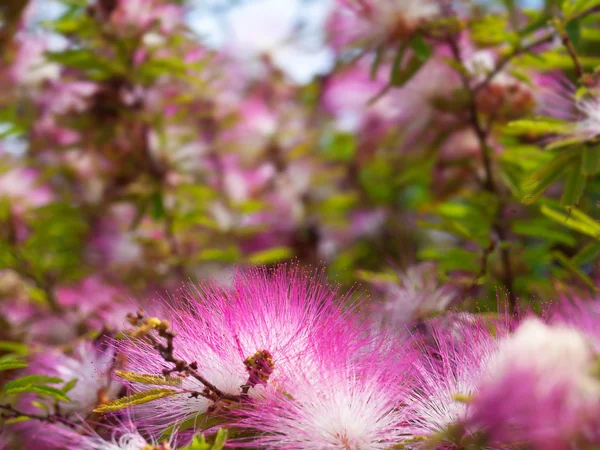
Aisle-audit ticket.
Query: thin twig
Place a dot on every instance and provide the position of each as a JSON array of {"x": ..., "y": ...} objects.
[
  {"x": 13, "y": 413},
  {"x": 166, "y": 352},
  {"x": 490, "y": 185}
]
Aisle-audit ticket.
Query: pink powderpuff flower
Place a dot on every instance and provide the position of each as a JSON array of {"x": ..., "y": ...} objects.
[
  {"x": 122, "y": 434},
  {"x": 349, "y": 397},
  {"x": 586, "y": 123},
  {"x": 22, "y": 187},
  {"x": 416, "y": 295},
  {"x": 91, "y": 365},
  {"x": 347, "y": 95},
  {"x": 584, "y": 315},
  {"x": 96, "y": 302},
  {"x": 66, "y": 97},
  {"x": 539, "y": 389},
  {"x": 142, "y": 14},
  {"x": 30, "y": 67},
  {"x": 448, "y": 372},
  {"x": 388, "y": 20},
  {"x": 281, "y": 311}
]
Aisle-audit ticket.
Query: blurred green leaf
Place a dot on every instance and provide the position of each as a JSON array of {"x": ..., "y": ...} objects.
[
  {"x": 136, "y": 399},
  {"x": 574, "y": 185},
  {"x": 31, "y": 380},
  {"x": 542, "y": 178},
  {"x": 574, "y": 219},
  {"x": 271, "y": 255},
  {"x": 590, "y": 164}
]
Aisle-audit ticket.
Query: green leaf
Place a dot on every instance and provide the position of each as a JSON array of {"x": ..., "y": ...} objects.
[
  {"x": 573, "y": 31},
  {"x": 543, "y": 229},
  {"x": 421, "y": 48},
  {"x": 70, "y": 385},
  {"x": 220, "y": 440},
  {"x": 9, "y": 362},
  {"x": 412, "y": 67},
  {"x": 200, "y": 443},
  {"x": 47, "y": 391},
  {"x": 136, "y": 399},
  {"x": 560, "y": 257},
  {"x": 588, "y": 254},
  {"x": 157, "y": 210},
  {"x": 31, "y": 380},
  {"x": 17, "y": 419},
  {"x": 87, "y": 60},
  {"x": 590, "y": 164},
  {"x": 14, "y": 347},
  {"x": 149, "y": 379},
  {"x": 541, "y": 179},
  {"x": 217, "y": 254},
  {"x": 537, "y": 127},
  {"x": 377, "y": 61},
  {"x": 573, "y": 8},
  {"x": 270, "y": 255},
  {"x": 574, "y": 219},
  {"x": 397, "y": 63},
  {"x": 574, "y": 185},
  {"x": 342, "y": 147}
]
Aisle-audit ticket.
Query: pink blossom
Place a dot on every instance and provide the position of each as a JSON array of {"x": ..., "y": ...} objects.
[
  {"x": 584, "y": 315},
  {"x": 346, "y": 398},
  {"x": 30, "y": 67},
  {"x": 416, "y": 295},
  {"x": 142, "y": 14},
  {"x": 448, "y": 372},
  {"x": 98, "y": 303},
  {"x": 389, "y": 19},
  {"x": 91, "y": 364},
  {"x": 539, "y": 388},
  {"x": 347, "y": 95},
  {"x": 280, "y": 311},
  {"x": 67, "y": 97},
  {"x": 22, "y": 187}
]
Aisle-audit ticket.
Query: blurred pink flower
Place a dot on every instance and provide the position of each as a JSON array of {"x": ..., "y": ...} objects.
[
  {"x": 91, "y": 364},
  {"x": 539, "y": 388},
  {"x": 22, "y": 187},
  {"x": 381, "y": 21},
  {"x": 416, "y": 295},
  {"x": 448, "y": 373},
  {"x": 141, "y": 14},
  {"x": 30, "y": 68}
]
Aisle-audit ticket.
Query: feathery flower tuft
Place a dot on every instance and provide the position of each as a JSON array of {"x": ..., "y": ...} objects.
[
  {"x": 350, "y": 398},
  {"x": 416, "y": 296},
  {"x": 245, "y": 339},
  {"x": 448, "y": 373},
  {"x": 539, "y": 389},
  {"x": 91, "y": 365}
]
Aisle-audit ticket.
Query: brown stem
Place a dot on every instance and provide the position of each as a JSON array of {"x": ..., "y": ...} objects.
[
  {"x": 489, "y": 183},
  {"x": 564, "y": 37},
  {"x": 166, "y": 352},
  {"x": 12, "y": 413}
]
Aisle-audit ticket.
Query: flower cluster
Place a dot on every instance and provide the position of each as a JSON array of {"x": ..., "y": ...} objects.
[{"x": 279, "y": 359}]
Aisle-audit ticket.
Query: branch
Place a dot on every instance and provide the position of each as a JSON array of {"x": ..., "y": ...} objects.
[
  {"x": 144, "y": 326},
  {"x": 13, "y": 413},
  {"x": 564, "y": 37},
  {"x": 489, "y": 184}
]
